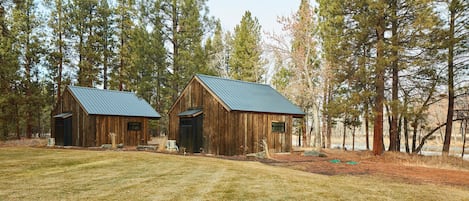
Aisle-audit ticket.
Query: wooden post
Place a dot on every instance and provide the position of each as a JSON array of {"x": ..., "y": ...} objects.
[
  {"x": 113, "y": 140},
  {"x": 266, "y": 148}
]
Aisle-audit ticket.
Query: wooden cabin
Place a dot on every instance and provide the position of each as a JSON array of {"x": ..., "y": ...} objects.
[
  {"x": 87, "y": 117},
  {"x": 230, "y": 117}
]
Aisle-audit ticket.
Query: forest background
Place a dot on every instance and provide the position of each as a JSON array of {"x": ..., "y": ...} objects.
[{"x": 349, "y": 63}]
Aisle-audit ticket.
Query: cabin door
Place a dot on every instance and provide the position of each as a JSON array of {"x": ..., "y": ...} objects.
[
  {"x": 190, "y": 134},
  {"x": 68, "y": 131},
  {"x": 63, "y": 129}
]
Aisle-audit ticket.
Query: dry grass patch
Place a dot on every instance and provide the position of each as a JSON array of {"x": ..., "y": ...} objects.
[
  {"x": 441, "y": 162},
  {"x": 58, "y": 174},
  {"x": 35, "y": 142}
]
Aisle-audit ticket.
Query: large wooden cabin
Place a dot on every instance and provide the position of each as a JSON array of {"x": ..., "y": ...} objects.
[
  {"x": 87, "y": 117},
  {"x": 230, "y": 117}
]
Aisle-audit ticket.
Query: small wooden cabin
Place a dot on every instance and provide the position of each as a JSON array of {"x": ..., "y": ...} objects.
[
  {"x": 87, "y": 117},
  {"x": 230, "y": 117}
]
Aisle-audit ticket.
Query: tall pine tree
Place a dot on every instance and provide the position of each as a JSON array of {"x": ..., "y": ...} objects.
[
  {"x": 9, "y": 119},
  {"x": 456, "y": 45},
  {"x": 30, "y": 43},
  {"x": 245, "y": 61},
  {"x": 185, "y": 23}
]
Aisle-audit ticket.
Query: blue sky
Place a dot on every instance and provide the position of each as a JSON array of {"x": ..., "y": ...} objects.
[{"x": 230, "y": 12}]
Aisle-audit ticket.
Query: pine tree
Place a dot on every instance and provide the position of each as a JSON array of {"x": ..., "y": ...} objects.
[
  {"x": 121, "y": 73},
  {"x": 162, "y": 99},
  {"x": 147, "y": 52},
  {"x": 83, "y": 28},
  {"x": 412, "y": 25},
  {"x": 8, "y": 75},
  {"x": 456, "y": 45},
  {"x": 58, "y": 52},
  {"x": 105, "y": 37},
  {"x": 340, "y": 69},
  {"x": 245, "y": 59},
  {"x": 369, "y": 53},
  {"x": 29, "y": 41},
  {"x": 186, "y": 22}
]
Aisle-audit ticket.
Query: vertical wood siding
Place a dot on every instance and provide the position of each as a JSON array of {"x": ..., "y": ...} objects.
[
  {"x": 94, "y": 130},
  {"x": 118, "y": 126},
  {"x": 230, "y": 132}
]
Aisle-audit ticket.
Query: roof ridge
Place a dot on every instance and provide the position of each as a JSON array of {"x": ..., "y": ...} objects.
[
  {"x": 228, "y": 79},
  {"x": 106, "y": 90},
  {"x": 262, "y": 97}
]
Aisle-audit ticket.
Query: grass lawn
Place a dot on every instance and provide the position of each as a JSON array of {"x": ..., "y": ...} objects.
[{"x": 59, "y": 174}]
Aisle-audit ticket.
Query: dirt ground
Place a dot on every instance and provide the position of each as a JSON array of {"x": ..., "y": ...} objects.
[{"x": 396, "y": 166}]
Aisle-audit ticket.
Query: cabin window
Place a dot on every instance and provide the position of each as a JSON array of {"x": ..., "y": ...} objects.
[
  {"x": 134, "y": 126},
  {"x": 278, "y": 127}
]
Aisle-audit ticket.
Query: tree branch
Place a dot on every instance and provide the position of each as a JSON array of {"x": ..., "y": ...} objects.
[{"x": 422, "y": 142}]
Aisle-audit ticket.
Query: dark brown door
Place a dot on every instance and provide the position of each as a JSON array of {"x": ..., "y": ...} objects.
[{"x": 190, "y": 134}]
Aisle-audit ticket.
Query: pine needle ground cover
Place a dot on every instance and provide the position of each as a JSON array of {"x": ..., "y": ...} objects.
[{"x": 59, "y": 174}]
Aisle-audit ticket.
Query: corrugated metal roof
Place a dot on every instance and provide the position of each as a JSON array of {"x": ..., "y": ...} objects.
[
  {"x": 249, "y": 96},
  {"x": 110, "y": 102},
  {"x": 63, "y": 115},
  {"x": 190, "y": 113}
]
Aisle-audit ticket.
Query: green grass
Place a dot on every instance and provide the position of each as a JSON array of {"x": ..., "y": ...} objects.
[{"x": 58, "y": 174}]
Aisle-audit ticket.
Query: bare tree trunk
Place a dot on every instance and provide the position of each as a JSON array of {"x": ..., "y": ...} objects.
[
  {"x": 175, "y": 21},
  {"x": 318, "y": 127},
  {"x": 329, "y": 118},
  {"x": 315, "y": 140},
  {"x": 414, "y": 135},
  {"x": 310, "y": 134},
  {"x": 304, "y": 133},
  {"x": 343, "y": 139},
  {"x": 324, "y": 108},
  {"x": 393, "y": 134},
  {"x": 379, "y": 83},
  {"x": 353, "y": 139},
  {"x": 399, "y": 131},
  {"x": 121, "y": 60},
  {"x": 449, "y": 117},
  {"x": 59, "y": 76},
  {"x": 464, "y": 138},
  {"x": 27, "y": 73},
  {"x": 406, "y": 135},
  {"x": 18, "y": 136},
  {"x": 389, "y": 118},
  {"x": 367, "y": 126},
  {"x": 324, "y": 131}
]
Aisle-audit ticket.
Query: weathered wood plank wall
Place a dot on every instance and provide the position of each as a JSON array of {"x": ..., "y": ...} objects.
[
  {"x": 94, "y": 130},
  {"x": 230, "y": 132},
  {"x": 118, "y": 126}
]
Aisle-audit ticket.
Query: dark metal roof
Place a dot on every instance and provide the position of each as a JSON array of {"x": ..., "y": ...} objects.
[
  {"x": 110, "y": 102},
  {"x": 249, "y": 96},
  {"x": 190, "y": 113},
  {"x": 63, "y": 115}
]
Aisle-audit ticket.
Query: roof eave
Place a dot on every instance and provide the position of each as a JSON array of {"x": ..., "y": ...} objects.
[
  {"x": 195, "y": 77},
  {"x": 296, "y": 115},
  {"x": 213, "y": 93},
  {"x": 78, "y": 101},
  {"x": 117, "y": 115}
]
